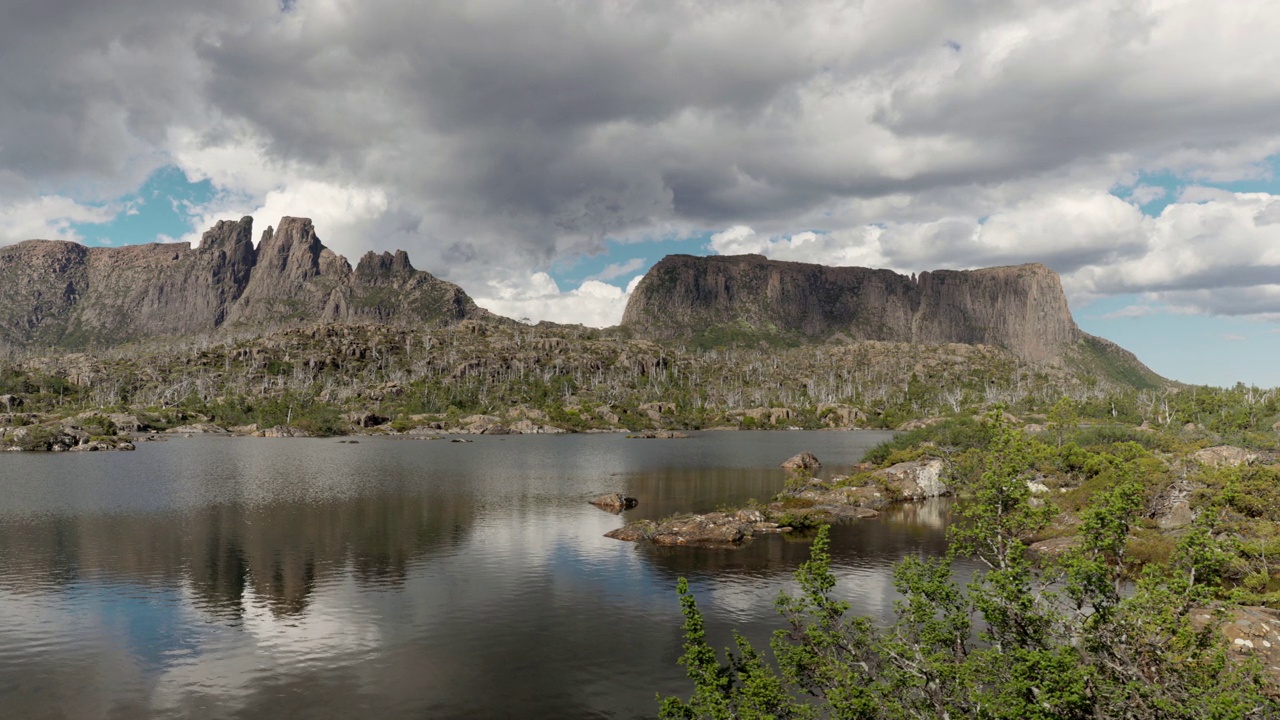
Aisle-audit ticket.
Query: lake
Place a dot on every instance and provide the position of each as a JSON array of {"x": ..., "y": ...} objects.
[{"x": 216, "y": 577}]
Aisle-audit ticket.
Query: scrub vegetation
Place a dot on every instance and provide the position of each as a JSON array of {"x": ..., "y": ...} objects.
[{"x": 1097, "y": 631}]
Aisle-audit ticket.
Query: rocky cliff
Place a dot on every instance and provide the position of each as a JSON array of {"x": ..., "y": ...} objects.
[
  {"x": 56, "y": 293},
  {"x": 722, "y": 298}
]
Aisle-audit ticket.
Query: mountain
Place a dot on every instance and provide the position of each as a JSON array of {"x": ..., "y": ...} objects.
[
  {"x": 724, "y": 300},
  {"x": 57, "y": 293}
]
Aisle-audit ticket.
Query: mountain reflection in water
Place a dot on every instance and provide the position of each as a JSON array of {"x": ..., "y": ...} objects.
[{"x": 218, "y": 577}]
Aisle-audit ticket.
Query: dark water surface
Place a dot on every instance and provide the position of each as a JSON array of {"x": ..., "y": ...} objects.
[{"x": 259, "y": 578}]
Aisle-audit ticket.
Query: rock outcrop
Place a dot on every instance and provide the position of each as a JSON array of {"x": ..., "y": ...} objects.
[
  {"x": 717, "y": 528},
  {"x": 56, "y": 293},
  {"x": 614, "y": 502},
  {"x": 1021, "y": 308},
  {"x": 803, "y": 462}
]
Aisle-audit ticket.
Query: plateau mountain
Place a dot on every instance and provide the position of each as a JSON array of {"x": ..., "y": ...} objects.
[{"x": 749, "y": 299}]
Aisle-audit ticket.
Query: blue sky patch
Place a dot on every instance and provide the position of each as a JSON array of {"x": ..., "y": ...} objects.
[
  {"x": 163, "y": 208},
  {"x": 1172, "y": 186}
]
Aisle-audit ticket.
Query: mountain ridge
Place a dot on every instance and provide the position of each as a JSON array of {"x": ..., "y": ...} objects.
[{"x": 62, "y": 294}]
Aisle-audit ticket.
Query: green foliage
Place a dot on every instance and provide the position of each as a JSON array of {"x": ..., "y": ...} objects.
[
  {"x": 954, "y": 433},
  {"x": 99, "y": 425},
  {"x": 1064, "y": 643}
]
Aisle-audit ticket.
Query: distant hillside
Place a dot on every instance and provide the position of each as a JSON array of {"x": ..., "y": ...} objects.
[
  {"x": 56, "y": 293},
  {"x": 747, "y": 299}
]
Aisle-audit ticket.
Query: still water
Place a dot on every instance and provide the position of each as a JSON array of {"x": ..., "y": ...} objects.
[{"x": 393, "y": 578}]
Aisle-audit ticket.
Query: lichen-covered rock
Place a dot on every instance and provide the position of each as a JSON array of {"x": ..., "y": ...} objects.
[
  {"x": 1224, "y": 456},
  {"x": 917, "y": 479}
]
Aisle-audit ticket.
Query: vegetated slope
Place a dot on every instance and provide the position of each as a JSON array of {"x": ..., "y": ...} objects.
[
  {"x": 56, "y": 293},
  {"x": 580, "y": 377},
  {"x": 746, "y": 299}
]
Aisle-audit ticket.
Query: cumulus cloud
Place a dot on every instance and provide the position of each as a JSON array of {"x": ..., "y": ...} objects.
[
  {"x": 593, "y": 303},
  {"x": 496, "y": 136},
  {"x": 1213, "y": 252},
  {"x": 49, "y": 218}
]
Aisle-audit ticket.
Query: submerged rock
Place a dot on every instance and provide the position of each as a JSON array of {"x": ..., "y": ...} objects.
[{"x": 659, "y": 435}]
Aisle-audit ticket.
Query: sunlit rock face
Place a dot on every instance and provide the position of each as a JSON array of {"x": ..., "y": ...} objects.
[
  {"x": 1020, "y": 308},
  {"x": 65, "y": 294}
]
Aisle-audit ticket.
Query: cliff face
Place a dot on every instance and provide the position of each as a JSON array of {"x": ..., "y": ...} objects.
[
  {"x": 65, "y": 294},
  {"x": 1020, "y": 308}
]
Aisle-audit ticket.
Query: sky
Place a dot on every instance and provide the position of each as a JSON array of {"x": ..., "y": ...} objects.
[{"x": 543, "y": 154}]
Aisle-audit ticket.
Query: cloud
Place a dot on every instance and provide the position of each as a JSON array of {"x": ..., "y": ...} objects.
[
  {"x": 593, "y": 303},
  {"x": 496, "y": 136},
  {"x": 617, "y": 270},
  {"x": 1132, "y": 311},
  {"x": 1232, "y": 337},
  {"x": 1218, "y": 253},
  {"x": 48, "y": 218}
]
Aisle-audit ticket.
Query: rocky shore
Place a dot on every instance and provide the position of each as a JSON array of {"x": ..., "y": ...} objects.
[{"x": 807, "y": 502}]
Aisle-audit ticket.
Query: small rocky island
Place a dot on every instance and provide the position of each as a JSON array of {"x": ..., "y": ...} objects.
[{"x": 808, "y": 501}]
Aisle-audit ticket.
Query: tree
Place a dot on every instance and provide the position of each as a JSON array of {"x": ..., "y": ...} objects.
[{"x": 1016, "y": 643}]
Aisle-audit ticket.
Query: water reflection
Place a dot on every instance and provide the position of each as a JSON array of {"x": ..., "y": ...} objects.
[{"x": 242, "y": 578}]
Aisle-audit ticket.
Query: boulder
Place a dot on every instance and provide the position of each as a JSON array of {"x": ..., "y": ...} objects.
[
  {"x": 10, "y": 402},
  {"x": 803, "y": 461},
  {"x": 529, "y": 427},
  {"x": 283, "y": 431},
  {"x": 365, "y": 419},
  {"x": 631, "y": 533},
  {"x": 1224, "y": 456},
  {"x": 837, "y": 415},
  {"x": 656, "y": 410},
  {"x": 1054, "y": 547},
  {"x": 482, "y": 425},
  {"x": 614, "y": 502},
  {"x": 917, "y": 479},
  {"x": 769, "y": 416}
]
